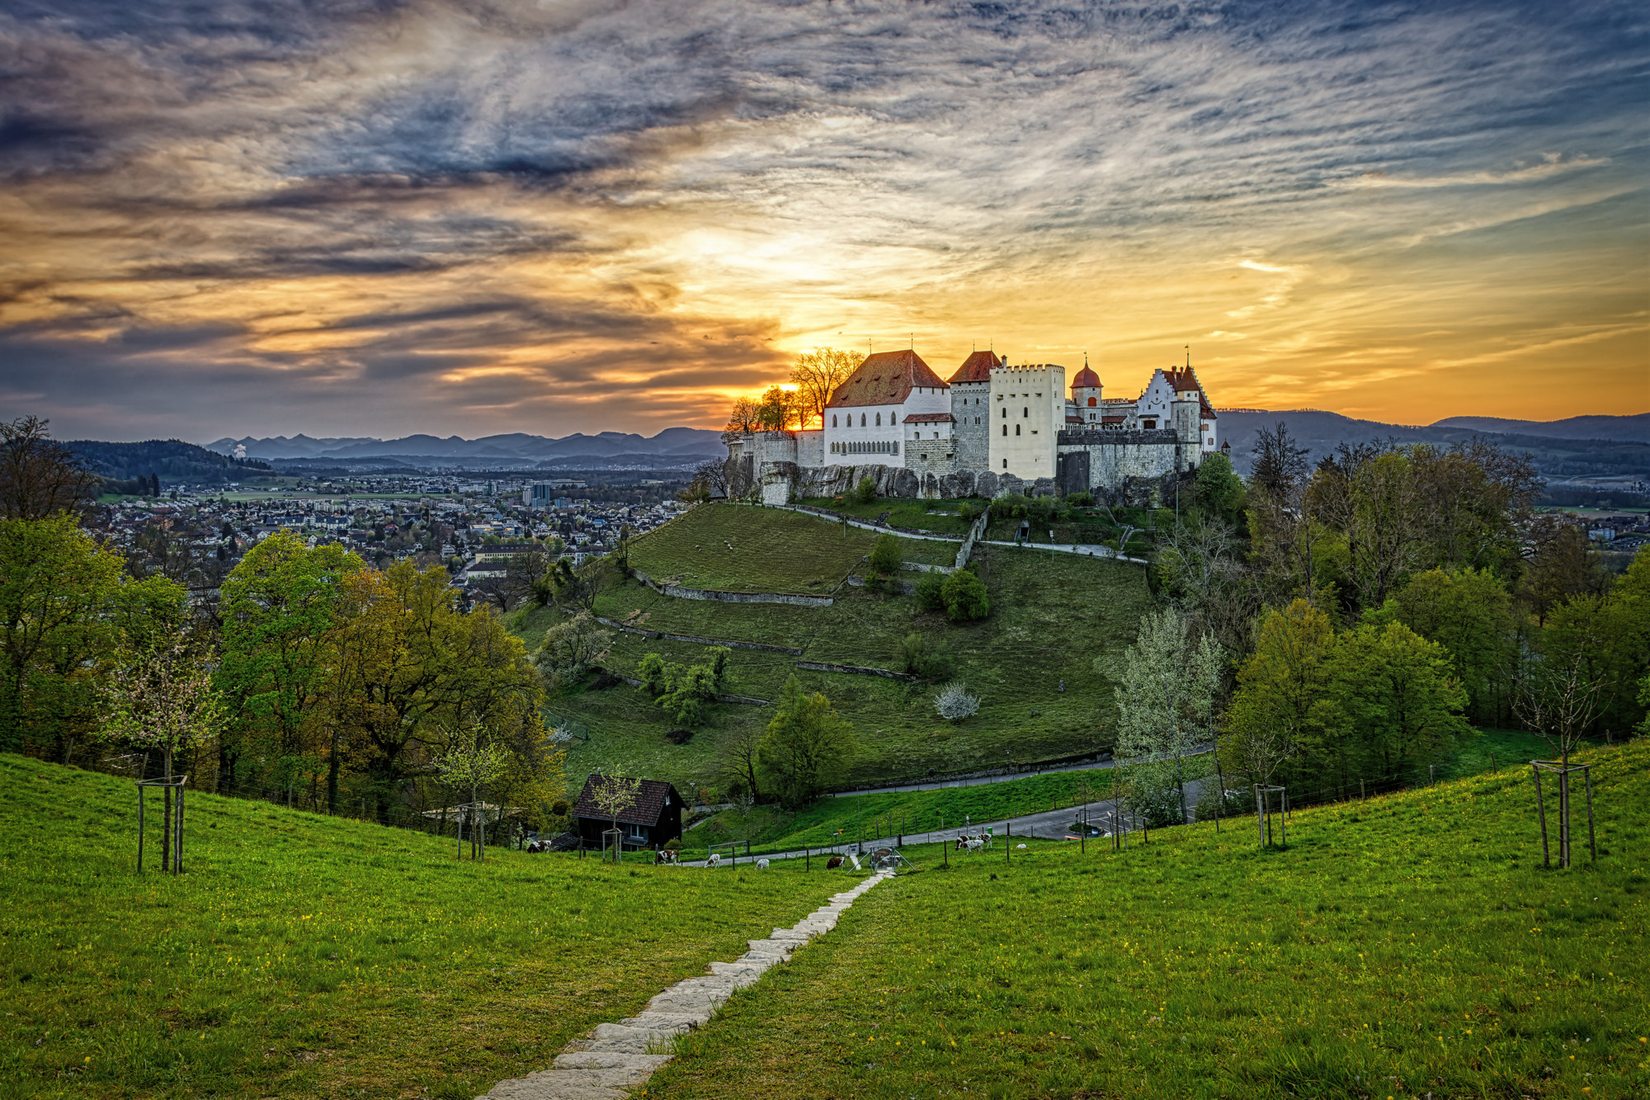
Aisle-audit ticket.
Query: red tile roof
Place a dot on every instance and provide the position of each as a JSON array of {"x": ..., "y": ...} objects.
[
  {"x": 976, "y": 368},
  {"x": 1185, "y": 380},
  {"x": 928, "y": 418},
  {"x": 886, "y": 378},
  {"x": 646, "y": 810},
  {"x": 1086, "y": 379}
]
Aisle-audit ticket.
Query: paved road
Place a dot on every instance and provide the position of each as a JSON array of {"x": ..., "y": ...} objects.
[
  {"x": 977, "y": 781},
  {"x": 1044, "y": 825}
]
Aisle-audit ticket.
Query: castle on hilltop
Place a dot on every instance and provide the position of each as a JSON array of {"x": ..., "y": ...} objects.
[{"x": 995, "y": 427}]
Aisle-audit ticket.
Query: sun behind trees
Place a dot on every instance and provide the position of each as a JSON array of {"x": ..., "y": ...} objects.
[{"x": 815, "y": 375}]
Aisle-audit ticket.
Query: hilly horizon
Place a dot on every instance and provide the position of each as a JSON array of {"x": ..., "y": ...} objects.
[{"x": 1594, "y": 445}]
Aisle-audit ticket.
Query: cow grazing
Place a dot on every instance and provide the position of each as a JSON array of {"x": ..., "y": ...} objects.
[
  {"x": 762, "y": 864},
  {"x": 715, "y": 858},
  {"x": 833, "y": 863}
]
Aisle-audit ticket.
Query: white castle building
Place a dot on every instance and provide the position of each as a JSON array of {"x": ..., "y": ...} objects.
[{"x": 994, "y": 427}]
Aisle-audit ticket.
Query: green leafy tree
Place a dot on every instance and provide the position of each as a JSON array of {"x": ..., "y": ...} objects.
[
  {"x": 1393, "y": 706},
  {"x": 1609, "y": 635},
  {"x": 1219, "y": 492},
  {"x": 1276, "y": 706},
  {"x": 885, "y": 559},
  {"x": 966, "y": 598},
  {"x": 278, "y": 608},
  {"x": 806, "y": 745},
  {"x": 573, "y": 647},
  {"x": 1470, "y": 613},
  {"x": 68, "y": 615}
]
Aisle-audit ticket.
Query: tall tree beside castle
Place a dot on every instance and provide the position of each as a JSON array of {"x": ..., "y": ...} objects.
[{"x": 816, "y": 375}]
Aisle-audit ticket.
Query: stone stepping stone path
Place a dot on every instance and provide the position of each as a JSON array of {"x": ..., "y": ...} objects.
[{"x": 615, "y": 1058}]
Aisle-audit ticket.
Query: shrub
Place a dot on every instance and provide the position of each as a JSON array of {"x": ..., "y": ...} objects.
[
  {"x": 966, "y": 598},
  {"x": 1081, "y": 500},
  {"x": 922, "y": 657},
  {"x": 679, "y": 736},
  {"x": 954, "y": 703},
  {"x": 931, "y": 592},
  {"x": 885, "y": 555},
  {"x": 652, "y": 671},
  {"x": 866, "y": 491}
]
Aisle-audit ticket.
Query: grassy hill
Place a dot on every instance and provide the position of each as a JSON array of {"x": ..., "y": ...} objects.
[
  {"x": 1406, "y": 946},
  {"x": 309, "y": 956},
  {"x": 1031, "y": 663}
]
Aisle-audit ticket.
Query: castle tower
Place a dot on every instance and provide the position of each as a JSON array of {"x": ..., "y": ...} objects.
[
  {"x": 1085, "y": 395},
  {"x": 1184, "y": 413},
  {"x": 971, "y": 410},
  {"x": 1027, "y": 412}
]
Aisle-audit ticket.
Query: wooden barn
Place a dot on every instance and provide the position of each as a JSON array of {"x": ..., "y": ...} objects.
[{"x": 652, "y": 821}]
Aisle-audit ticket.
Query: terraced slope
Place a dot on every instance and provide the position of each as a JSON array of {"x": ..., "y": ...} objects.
[{"x": 1032, "y": 662}]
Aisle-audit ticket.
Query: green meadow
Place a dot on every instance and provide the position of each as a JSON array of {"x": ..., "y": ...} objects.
[
  {"x": 306, "y": 956},
  {"x": 1407, "y": 946}
]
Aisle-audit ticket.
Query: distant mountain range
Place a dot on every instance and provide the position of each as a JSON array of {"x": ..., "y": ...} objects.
[
  {"x": 673, "y": 447},
  {"x": 1582, "y": 446}
]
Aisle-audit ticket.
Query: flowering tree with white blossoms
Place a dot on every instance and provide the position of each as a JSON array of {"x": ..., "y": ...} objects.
[{"x": 954, "y": 703}]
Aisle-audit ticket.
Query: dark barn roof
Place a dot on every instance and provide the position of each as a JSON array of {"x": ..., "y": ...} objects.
[{"x": 648, "y": 808}]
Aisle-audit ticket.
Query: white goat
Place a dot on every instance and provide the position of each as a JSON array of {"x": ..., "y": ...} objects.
[{"x": 762, "y": 864}]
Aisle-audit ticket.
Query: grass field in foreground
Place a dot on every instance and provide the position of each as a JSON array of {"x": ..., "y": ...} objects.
[
  {"x": 309, "y": 956},
  {"x": 1402, "y": 947},
  {"x": 882, "y": 814}
]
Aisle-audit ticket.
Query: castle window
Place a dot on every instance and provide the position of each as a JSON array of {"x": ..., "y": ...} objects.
[
  {"x": 1005, "y": 463},
  {"x": 1026, "y": 411},
  {"x": 862, "y": 420},
  {"x": 833, "y": 417},
  {"x": 1016, "y": 429},
  {"x": 1092, "y": 402}
]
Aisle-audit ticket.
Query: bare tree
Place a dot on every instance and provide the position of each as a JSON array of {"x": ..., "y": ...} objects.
[
  {"x": 38, "y": 476},
  {"x": 1559, "y": 701},
  {"x": 742, "y": 419},
  {"x": 816, "y": 375}
]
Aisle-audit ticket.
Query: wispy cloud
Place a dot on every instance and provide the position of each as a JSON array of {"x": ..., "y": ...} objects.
[{"x": 471, "y": 217}]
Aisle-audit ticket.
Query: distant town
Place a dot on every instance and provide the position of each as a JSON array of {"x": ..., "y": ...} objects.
[{"x": 471, "y": 525}]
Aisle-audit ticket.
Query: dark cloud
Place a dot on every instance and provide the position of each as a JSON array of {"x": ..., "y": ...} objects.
[{"x": 405, "y": 212}]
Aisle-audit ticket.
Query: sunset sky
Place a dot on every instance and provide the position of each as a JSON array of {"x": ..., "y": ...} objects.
[{"x": 373, "y": 218}]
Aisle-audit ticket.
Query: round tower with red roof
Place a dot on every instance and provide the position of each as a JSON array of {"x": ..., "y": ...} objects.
[{"x": 1085, "y": 395}]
